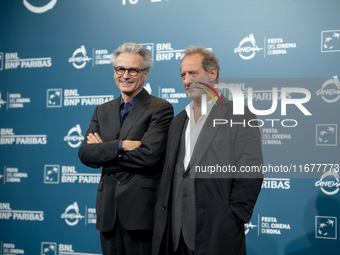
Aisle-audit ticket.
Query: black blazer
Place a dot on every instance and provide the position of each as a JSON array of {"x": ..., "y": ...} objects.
[
  {"x": 222, "y": 204},
  {"x": 131, "y": 190}
]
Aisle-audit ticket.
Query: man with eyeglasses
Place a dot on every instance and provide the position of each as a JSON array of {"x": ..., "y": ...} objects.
[{"x": 127, "y": 138}]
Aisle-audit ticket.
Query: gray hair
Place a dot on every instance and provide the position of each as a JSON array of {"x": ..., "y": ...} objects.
[
  {"x": 209, "y": 59},
  {"x": 133, "y": 48}
]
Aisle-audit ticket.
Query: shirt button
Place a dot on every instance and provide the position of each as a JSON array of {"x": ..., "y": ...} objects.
[
  {"x": 119, "y": 156},
  {"x": 118, "y": 182},
  {"x": 163, "y": 206}
]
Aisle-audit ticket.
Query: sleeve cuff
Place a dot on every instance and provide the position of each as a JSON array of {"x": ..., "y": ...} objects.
[{"x": 120, "y": 148}]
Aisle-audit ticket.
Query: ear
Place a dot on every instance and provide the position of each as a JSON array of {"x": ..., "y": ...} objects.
[
  {"x": 146, "y": 72},
  {"x": 213, "y": 74}
]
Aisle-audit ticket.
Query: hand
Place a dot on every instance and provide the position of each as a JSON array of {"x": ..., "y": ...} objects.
[
  {"x": 94, "y": 138},
  {"x": 129, "y": 145}
]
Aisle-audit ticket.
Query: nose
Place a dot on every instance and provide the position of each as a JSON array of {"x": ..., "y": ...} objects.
[
  {"x": 126, "y": 74},
  {"x": 186, "y": 80}
]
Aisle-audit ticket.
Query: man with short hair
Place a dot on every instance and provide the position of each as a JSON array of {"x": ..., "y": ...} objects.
[
  {"x": 198, "y": 212},
  {"x": 127, "y": 138}
]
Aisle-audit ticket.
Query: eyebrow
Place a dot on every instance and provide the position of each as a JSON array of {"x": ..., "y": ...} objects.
[
  {"x": 128, "y": 68},
  {"x": 189, "y": 71}
]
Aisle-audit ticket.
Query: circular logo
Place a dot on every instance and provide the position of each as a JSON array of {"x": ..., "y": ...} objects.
[
  {"x": 72, "y": 215},
  {"x": 74, "y": 140},
  {"x": 329, "y": 186},
  {"x": 79, "y": 58},
  {"x": 41, "y": 9},
  {"x": 330, "y": 90},
  {"x": 252, "y": 48}
]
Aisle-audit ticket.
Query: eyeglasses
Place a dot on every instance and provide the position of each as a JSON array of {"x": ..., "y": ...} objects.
[{"x": 132, "y": 71}]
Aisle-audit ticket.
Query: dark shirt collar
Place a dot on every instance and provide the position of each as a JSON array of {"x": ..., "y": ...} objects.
[{"x": 131, "y": 101}]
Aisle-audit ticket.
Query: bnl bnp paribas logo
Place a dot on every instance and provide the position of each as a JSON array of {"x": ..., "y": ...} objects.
[
  {"x": 55, "y": 99},
  {"x": 68, "y": 174},
  {"x": 8, "y": 137},
  {"x": 52, "y": 248},
  {"x": 330, "y": 41},
  {"x": 49, "y": 4},
  {"x": 326, "y": 227},
  {"x": 11, "y": 60},
  {"x": 74, "y": 137},
  {"x": 48, "y": 248},
  {"x": 164, "y": 51},
  {"x": 326, "y": 134},
  {"x": 149, "y": 47}
]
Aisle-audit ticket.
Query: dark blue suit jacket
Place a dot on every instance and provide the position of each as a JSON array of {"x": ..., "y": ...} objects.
[{"x": 131, "y": 190}]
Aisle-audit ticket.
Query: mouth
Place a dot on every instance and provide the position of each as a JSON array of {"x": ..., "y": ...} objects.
[
  {"x": 126, "y": 82},
  {"x": 191, "y": 87}
]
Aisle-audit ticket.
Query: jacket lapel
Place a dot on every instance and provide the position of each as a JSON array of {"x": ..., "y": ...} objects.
[
  {"x": 137, "y": 109},
  {"x": 114, "y": 118},
  {"x": 175, "y": 134}
]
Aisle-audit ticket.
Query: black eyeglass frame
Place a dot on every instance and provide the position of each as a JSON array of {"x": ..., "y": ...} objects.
[{"x": 129, "y": 70}]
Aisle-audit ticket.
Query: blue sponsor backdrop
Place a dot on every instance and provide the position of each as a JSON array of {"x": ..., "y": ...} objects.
[{"x": 54, "y": 70}]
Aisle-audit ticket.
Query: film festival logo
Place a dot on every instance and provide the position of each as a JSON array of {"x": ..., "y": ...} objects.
[
  {"x": 326, "y": 134},
  {"x": 329, "y": 182},
  {"x": 330, "y": 90},
  {"x": 54, "y": 98},
  {"x": 326, "y": 227},
  {"x": 79, "y": 58},
  {"x": 72, "y": 215},
  {"x": 330, "y": 41},
  {"x": 267, "y": 225},
  {"x": 1, "y": 61},
  {"x": 136, "y": 1},
  {"x": 247, "y": 48},
  {"x": 74, "y": 137},
  {"x": 248, "y": 226},
  {"x": 40, "y": 9},
  {"x": 2, "y": 102},
  {"x": 10, "y": 248},
  {"x": 48, "y": 248},
  {"x": 51, "y": 174}
]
